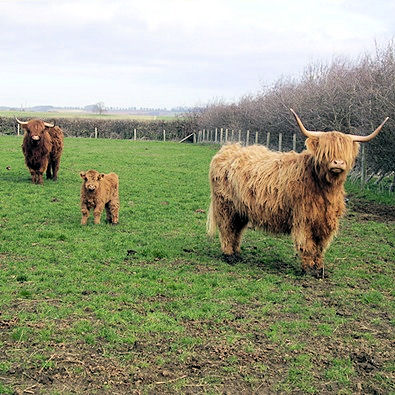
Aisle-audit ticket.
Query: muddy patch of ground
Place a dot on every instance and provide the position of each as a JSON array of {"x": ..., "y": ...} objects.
[{"x": 366, "y": 210}]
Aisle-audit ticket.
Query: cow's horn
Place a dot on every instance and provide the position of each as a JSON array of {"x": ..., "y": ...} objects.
[
  {"x": 49, "y": 125},
  {"x": 307, "y": 133},
  {"x": 364, "y": 139},
  {"x": 20, "y": 122}
]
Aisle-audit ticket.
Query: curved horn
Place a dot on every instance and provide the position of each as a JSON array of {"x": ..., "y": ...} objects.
[
  {"x": 20, "y": 122},
  {"x": 364, "y": 139},
  {"x": 307, "y": 133},
  {"x": 49, "y": 125}
]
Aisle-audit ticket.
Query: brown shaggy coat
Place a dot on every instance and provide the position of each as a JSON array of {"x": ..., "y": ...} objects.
[
  {"x": 297, "y": 193},
  {"x": 42, "y": 147},
  {"x": 99, "y": 191}
]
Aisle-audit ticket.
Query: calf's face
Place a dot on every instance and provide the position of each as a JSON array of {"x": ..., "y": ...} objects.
[{"x": 91, "y": 180}]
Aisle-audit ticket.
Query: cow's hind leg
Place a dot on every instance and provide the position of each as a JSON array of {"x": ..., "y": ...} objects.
[
  {"x": 112, "y": 210},
  {"x": 55, "y": 168},
  {"x": 231, "y": 225}
]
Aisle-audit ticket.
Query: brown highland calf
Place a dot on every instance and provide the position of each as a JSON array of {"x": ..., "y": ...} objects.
[
  {"x": 42, "y": 146},
  {"x": 297, "y": 193},
  {"x": 99, "y": 191}
]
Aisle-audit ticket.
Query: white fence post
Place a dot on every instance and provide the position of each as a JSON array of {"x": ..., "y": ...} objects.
[
  {"x": 226, "y": 135},
  {"x": 294, "y": 141},
  {"x": 280, "y": 141},
  {"x": 95, "y": 133},
  {"x": 19, "y": 126},
  {"x": 267, "y": 139},
  {"x": 164, "y": 135},
  {"x": 216, "y": 135},
  {"x": 248, "y": 137},
  {"x": 134, "y": 134},
  {"x": 256, "y": 137}
]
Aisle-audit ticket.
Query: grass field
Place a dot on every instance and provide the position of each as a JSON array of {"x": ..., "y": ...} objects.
[
  {"x": 25, "y": 115},
  {"x": 148, "y": 306}
]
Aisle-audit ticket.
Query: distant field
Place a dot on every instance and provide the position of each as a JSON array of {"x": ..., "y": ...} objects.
[
  {"x": 71, "y": 114},
  {"x": 149, "y": 306}
]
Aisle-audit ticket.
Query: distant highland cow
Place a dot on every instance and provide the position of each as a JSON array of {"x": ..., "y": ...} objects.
[
  {"x": 297, "y": 193},
  {"x": 99, "y": 191},
  {"x": 42, "y": 146}
]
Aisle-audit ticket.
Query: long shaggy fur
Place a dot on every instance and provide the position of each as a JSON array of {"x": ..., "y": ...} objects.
[
  {"x": 99, "y": 191},
  {"x": 42, "y": 148},
  {"x": 294, "y": 193}
]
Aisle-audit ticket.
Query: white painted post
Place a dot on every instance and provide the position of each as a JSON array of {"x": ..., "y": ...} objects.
[
  {"x": 134, "y": 134},
  {"x": 164, "y": 135},
  {"x": 239, "y": 136},
  {"x": 256, "y": 137},
  {"x": 267, "y": 139},
  {"x": 221, "y": 135},
  {"x": 95, "y": 133},
  {"x": 294, "y": 142},
  {"x": 280, "y": 141},
  {"x": 18, "y": 131},
  {"x": 226, "y": 135},
  {"x": 232, "y": 136},
  {"x": 248, "y": 137},
  {"x": 216, "y": 134}
]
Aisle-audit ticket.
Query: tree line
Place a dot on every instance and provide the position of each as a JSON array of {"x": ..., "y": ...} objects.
[{"x": 344, "y": 95}]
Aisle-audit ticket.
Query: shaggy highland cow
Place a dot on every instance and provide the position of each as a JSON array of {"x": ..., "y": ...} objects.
[
  {"x": 297, "y": 193},
  {"x": 42, "y": 146},
  {"x": 99, "y": 191}
]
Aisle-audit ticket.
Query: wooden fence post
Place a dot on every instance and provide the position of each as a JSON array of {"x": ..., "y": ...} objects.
[
  {"x": 280, "y": 141},
  {"x": 19, "y": 129},
  {"x": 248, "y": 137},
  {"x": 134, "y": 134},
  {"x": 239, "y": 136},
  {"x": 256, "y": 137},
  {"x": 267, "y": 139},
  {"x": 164, "y": 135},
  {"x": 95, "y": 133},
  {"x": 232, "y": 135},
  {"x": 221, "y": 132},
  {"x": 226, "y": 135},
  {"x": 194, "y": 138},
  {"x": 363, "y": 166},
  {"x": 216, "y": 135},
  {"x": 294, "y": 141}
]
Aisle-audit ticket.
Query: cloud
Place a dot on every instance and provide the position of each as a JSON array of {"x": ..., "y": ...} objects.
[{"x": 175, "y": 50}]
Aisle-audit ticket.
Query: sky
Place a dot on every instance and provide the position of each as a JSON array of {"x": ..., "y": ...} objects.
[{"x": 170, "y": 53}]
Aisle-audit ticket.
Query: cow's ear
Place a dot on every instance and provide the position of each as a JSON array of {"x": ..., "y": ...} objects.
[
  {"x": 312, "y": 144},
  {"x": 82, "y": 174}
]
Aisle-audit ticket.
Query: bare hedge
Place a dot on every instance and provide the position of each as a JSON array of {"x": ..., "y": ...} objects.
[
  {"x": 111, "y": 128},
  {"x": 353, "y": 97}
]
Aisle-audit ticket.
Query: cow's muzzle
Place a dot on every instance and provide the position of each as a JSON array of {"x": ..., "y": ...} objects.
[
  {"x": 35, "y": 138},
  {"x": 337, "y": 166},
  {"x": 91, "y": 187}
]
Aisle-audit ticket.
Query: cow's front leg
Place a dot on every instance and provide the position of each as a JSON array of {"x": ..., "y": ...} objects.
[
  {"x": 97, "y": 213},
  {"x": 85, "y": 214},
  {"x": 307, "y": 249}
]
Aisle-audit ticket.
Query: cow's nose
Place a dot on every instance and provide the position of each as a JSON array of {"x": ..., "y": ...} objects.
[
  {"x": 91, "y": 187},
  {"x": 338, "y": 162},
  {"x": 36, "y": 138}
]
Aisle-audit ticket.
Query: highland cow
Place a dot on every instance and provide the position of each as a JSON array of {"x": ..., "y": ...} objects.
[
  {"x": 42, "y": 146},
  {"x": 301, "y": 194},
  {"x": 99, "y": 191}
]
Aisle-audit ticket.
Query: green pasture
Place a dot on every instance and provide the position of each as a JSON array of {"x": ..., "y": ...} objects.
[
  {"x": 25, "y": 115},
  {"x": 149, "y": 306}
]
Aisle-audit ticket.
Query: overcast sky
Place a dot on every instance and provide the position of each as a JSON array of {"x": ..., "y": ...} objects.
[{"x": 168, "y": 53}]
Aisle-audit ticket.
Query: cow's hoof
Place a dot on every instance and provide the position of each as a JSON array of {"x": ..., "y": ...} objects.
[
  {"x": 232, "y": 259},
  {"x": 315, "y": 272}
]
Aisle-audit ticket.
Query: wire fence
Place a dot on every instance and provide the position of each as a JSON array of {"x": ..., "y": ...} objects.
[{"x": 361, "y": 173}]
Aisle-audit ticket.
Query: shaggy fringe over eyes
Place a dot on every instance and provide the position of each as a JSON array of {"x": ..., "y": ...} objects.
[{"x": 331, "y": 146}]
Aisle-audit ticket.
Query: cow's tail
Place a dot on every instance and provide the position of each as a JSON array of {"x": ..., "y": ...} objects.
[{"x": 211, "y": 224}]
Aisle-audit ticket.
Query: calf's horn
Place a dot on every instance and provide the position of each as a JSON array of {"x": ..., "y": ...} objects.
[
  {"x": 307, "y": 133},
  {"x": 49, "y": 125},
  {"x": 364, "y": 139},
  {"x": 20, "y": 122}
]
